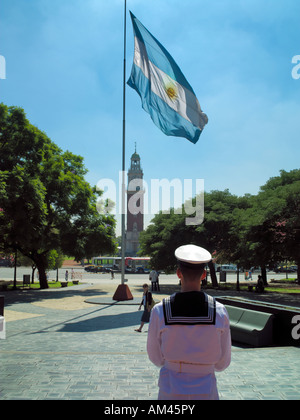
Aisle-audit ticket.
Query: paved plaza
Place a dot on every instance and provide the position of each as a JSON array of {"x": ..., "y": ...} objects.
[{"x": 60, "y": 347}]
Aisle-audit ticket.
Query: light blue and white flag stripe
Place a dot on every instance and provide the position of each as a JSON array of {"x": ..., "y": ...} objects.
[{"x": 165, "y": 93}]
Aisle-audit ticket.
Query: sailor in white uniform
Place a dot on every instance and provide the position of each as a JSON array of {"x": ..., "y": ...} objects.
[{"x": 189, "y": 334}]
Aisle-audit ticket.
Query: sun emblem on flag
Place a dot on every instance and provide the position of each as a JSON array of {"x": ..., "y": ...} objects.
[{"x": 171, "y": 91}]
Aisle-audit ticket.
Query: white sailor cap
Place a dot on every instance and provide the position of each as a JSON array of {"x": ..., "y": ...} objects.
[{"x": 192, "y": 256}]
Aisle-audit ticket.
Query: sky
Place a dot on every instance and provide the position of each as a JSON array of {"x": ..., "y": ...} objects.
[{"x": 64, "y": 67}]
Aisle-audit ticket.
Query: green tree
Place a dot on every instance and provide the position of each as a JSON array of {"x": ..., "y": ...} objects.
[
  {"x": 45, "y": 202},
  {"x": 251, "y": 230},
  {"x": 160, "y": 240},
  {"x": 168, "y": 231},
  {"x": 276, "y": 232}
]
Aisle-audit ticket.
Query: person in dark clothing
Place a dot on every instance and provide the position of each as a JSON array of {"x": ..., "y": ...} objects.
[{"x": 146, "y": 302}]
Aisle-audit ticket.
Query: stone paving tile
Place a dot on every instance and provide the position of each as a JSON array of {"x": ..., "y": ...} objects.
[
  {"x": 265, "y": 375},
  {"x": 93, "y": 353}
]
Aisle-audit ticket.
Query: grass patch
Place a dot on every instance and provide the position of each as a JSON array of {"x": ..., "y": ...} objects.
[
  {"x": 8, "y": 285},
  {"x": 284, "y": 285},
  {"x": 283, "y": 290},
  {"x": 283, "y": 281}
]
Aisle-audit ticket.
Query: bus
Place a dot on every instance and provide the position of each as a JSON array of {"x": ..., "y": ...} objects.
[
  {"x": 107, "y": 263},
  {"x": 138, "y": 265},
  {"x": 132, "y": 264}
]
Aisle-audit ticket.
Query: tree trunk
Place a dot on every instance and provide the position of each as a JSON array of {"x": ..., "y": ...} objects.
[
  {"x": 15, "y": 271},
  {"x": 40, "y": 262},
  {"x": 33, "y": 267},
  {"x": 213, "y": 276},
  {"x": 238, "y": 278},
  {"x": 264, "y": 274}
]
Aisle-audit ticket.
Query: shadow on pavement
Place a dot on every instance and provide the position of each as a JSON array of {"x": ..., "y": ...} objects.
[{"x": 103, "y": 322}]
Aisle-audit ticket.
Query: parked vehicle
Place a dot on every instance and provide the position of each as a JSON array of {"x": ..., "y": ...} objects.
[
  {"x": 93, "y": 269},
  {"x": 286, "y": 269},
  {"x": 227, "y": 268}
]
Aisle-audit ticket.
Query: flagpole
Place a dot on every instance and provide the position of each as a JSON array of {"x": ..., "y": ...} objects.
[
  {"x": 123, "y": 293},
  {"x": 123, "y": 149}
]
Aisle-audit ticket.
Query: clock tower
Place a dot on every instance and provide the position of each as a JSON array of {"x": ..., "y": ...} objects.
[{"x": 135, "y": 205}]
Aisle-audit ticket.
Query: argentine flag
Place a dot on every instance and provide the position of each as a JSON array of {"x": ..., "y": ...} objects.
[{"x": 166, "y": 94}]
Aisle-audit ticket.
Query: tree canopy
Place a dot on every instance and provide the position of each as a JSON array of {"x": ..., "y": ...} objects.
[
  {"x": 253, "y": 230},
  {"x": 45, "y": 202}
]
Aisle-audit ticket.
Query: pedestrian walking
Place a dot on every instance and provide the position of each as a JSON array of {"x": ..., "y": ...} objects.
[
  {"x": 147, "y": 303},
  {"x": 189, "y": 334},
  {"x": 153, "y": 277}
]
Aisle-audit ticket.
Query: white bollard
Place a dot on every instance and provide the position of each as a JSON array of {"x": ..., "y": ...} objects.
[{"x": 2, "y": 328}]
